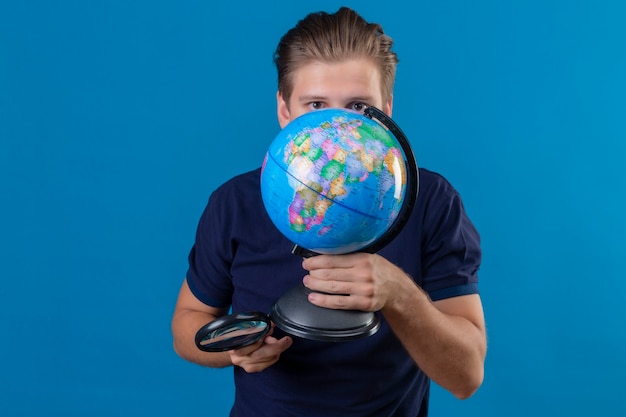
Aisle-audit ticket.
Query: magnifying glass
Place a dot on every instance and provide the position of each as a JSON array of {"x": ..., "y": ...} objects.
[{"x": 233, "y": 331}]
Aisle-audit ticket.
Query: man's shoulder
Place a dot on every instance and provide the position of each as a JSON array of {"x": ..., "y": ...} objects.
[
  {"x": 244, "y": 182},
  {"x": 244, "y": 179},
  {"x": 432, "y": 182}
]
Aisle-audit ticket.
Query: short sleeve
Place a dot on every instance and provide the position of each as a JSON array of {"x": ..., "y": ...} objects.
[
  {"x": 208, "y": 275},
  {"x": 451, "y": 245}
]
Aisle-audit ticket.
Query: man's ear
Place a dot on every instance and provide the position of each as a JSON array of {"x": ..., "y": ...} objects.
[
  {"x": 388, "y": 106},
  {"x": 282, "y": 110}
]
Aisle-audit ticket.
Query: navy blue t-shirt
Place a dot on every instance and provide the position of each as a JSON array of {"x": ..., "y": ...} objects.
[{"x": 241, "y": 260}]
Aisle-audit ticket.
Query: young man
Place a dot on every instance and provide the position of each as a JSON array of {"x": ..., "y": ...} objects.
[{"x": 424, "y": 283}]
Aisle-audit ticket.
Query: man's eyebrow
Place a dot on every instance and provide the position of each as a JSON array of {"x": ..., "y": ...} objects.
[{"x": 311, "y": 97}]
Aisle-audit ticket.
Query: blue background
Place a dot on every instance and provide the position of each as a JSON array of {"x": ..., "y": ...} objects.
[{"x": 118, "y": 118}]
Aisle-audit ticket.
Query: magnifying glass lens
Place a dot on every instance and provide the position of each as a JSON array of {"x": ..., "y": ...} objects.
[{"x": 232, "y": 332}]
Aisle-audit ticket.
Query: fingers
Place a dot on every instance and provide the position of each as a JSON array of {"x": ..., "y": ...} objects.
[
  {"x": 344, "y": 302},
  {"x": 342, "y": 274},
  {"x": 339, "y": 284},
  {"x": 347, "y": 282},
  {"x": 261, "y": 355}
]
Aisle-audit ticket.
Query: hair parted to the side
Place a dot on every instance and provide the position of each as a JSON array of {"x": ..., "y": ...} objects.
[{"x": 331, "y": 38}]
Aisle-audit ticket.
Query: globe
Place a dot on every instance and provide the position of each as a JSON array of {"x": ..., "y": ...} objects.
[{"x": 334, "y": 181}]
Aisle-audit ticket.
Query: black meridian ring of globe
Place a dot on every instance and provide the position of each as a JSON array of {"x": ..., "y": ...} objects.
[
  {"x": 224, "y": 333},
  {"x": 412, "y": 185}
]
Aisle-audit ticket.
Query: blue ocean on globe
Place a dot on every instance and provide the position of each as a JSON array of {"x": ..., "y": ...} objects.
[{"x": 333, "y": 181}]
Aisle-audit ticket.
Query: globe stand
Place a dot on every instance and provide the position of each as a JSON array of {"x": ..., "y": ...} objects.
[{"x": 296, "y": 315}]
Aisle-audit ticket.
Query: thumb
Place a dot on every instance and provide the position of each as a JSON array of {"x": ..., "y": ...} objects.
[{"x": 281, "y": 344}]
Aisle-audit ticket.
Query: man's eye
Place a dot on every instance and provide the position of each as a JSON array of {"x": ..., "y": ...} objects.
[
  {"x": 360, "y": 107},
  {"x": 316, "y": 105}
]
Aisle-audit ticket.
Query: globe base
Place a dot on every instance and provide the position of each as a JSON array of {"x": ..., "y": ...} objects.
[{"x": 295, "y": 314}]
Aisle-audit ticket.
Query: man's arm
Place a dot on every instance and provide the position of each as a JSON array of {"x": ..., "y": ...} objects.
[
  {"x": 191, "y": 314},
  {"x": 447, "y": 338}
]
